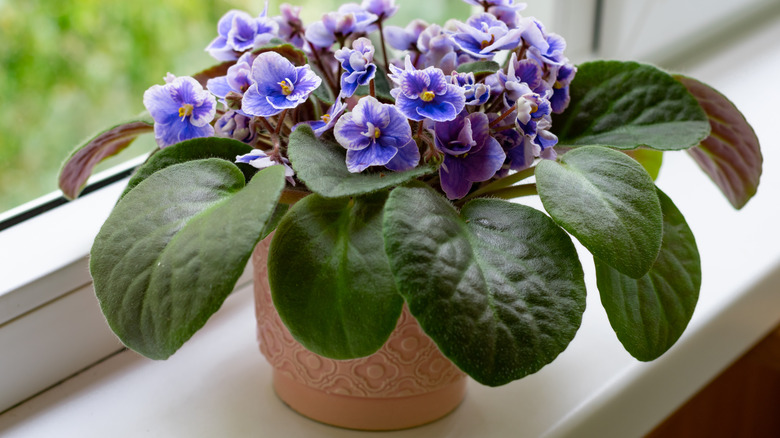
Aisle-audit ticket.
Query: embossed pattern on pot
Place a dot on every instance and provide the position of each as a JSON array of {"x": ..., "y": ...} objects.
[{"x": 408, "y": 364}]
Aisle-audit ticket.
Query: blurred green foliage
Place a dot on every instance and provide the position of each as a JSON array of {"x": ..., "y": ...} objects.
[{"x": 69, "y": 68}]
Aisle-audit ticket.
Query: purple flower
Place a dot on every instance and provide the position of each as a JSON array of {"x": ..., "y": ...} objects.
[
  {"x": 237, "y": 80},
  {"x": 524, "y": 88},
  {"x": 350, "y": 18},
  {"x": 476, "y": 93},
  {"x": 290, "y": 25},
  {"x": 181, "y": 110},
  {"x": 560, "y": 98},
  {"x": 471, "y": 154},
  {"x": 438, "y": 49},
  {"x": 505, "y": 10},
  {"x": 426, "y": 94},
  {"x": 376, "y": 134},
  {"x": 236, "y": 126},
  {"x": 329, "y": 119},
  {"x": 527, "y": 71},
  {"x": 483, "y": 34},
  {"x": 239, "y": 32},
  {"x": 381, "y": 8},
  {"x": 358, "y": 65},
  {"x": 545, "y": 48},
  {"x": 405, "y": 38},
  {"x": 519, "y": 151},
  {"x": 278, "y": 85},
  {"x": 260, "y": 160}
]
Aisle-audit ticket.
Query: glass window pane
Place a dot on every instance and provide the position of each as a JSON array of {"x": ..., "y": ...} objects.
[{"x": 72, "y": 68}]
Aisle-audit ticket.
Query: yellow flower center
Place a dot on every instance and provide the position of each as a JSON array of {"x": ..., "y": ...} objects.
[
  {"x": 185, "y": 110},
  {"x": 486, "y": 43},
  {"x": 427, "y": 96},
  {"x": 377, "y": 132},
  {"x": 325, "y": 118},
  {"x": 287, "y": 87},
  {"x": 558, "y": 85}
]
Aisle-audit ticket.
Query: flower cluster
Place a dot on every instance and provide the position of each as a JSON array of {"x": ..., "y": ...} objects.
[{"x": 430, "y": 94}]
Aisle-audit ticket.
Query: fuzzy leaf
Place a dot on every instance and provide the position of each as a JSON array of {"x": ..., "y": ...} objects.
[
  {"x": 650, "y": 159},
  {"x": 194, "y": 149},
  {"x": 172, "y": 250},
  {"x": 608, "y": 202},
  {"x": 292, "y": 53},
  {"x": 213, "y": 72},
  {"x": 479, "y": 68},
  {"x": 330, "y": 278},
  {"x": 499, "y": 287},
  {"x": 78, "y": 167},
  {"x": 650, "y": 313},
  {"x": 731, "y": 155},
  {"x": 624, "y": 105}
]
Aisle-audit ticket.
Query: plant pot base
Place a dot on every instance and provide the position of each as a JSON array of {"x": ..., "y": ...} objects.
[{"x": 368, "y": 413}]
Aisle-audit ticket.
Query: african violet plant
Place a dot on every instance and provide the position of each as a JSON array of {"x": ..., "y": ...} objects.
[{"x": 383, "y": 158}]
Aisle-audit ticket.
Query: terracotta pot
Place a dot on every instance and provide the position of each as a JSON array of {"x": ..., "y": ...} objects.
[{"x": 407, "y": 383}]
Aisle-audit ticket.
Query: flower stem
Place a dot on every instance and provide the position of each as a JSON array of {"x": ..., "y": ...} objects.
[
  {"x": 276, "y": 152},
  {"x": 372, "y": 88},
  {"x": 266, "y": 125},
  {"x": 325, "y": 73},
  {"x": 503, "y": 116},
  {"x": 280, "y": 122},
  {"x": 384, "y": 46}
]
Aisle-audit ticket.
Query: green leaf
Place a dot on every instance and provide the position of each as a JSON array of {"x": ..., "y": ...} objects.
[
  {"x": 479, "y": 68},
  {"x": 650, "y": 313},
  {"x": 625, "y": 105},
  {"x": 330, "y": 278},
  {"x": 323, "y": 92},
  {"x": 292, "y": 53},
  {"x": 608, "y": 202},
  {"x": 195, "y": 149},
  {"x": 650, "y": 159},
  {"x": 214, "y": 71},
  {"x": 731, "y": 155},
  {"x": 499, "y": 287},
  {"x": 172, "y": 250},
  {"x": 322, "y": 166},
  {"x": 78, "y": 167},
  {"x": 274, "y": 220}
]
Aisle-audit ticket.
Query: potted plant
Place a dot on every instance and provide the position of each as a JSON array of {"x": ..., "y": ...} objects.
[{"x": 382, "y": 161}]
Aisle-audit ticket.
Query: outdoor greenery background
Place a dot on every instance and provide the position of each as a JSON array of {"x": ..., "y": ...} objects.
[{"x": 70, "y": 68}]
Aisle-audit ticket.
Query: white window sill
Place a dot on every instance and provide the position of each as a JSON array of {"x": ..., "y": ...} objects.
[{"x": 219, "y": 385}]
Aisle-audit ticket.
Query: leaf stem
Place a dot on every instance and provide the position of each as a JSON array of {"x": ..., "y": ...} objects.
[
  {"x": 291, "y": 196},
  {"x": 502, "y": 183},
  {"x": 515, "y": 191}
]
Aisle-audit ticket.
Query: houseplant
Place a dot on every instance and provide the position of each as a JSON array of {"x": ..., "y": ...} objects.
[{"x": 385, "y": 177}]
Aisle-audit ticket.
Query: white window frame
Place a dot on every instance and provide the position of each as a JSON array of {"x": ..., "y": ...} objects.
[
  {"x": 51, "y": 326},
  {"x": 668, "y": 32},
  {"x": 46, "y": 298}
]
